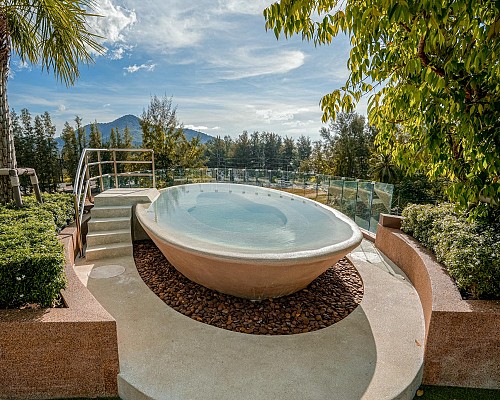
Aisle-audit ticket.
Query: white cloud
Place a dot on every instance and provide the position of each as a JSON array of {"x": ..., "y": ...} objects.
[
  {"x": 167, "y": 26},
  {"x": 243, "y": 6},
  {"x": 202, "y": 128},
  {"x": 20, "y": 65},
  {"x": 61, "y": 108},
  {"x": 134, "y": 68},
  {"x": 112, "y": 22},
  {"x": 117, "y": 54},
  {"x": 248, "y": 62},
  {"x": 270, "y": 115},
  {"x": 280, "y": 113}
]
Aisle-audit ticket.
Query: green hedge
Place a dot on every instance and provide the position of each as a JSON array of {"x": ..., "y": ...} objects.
[
  {"x": 60, "y": 205},
  {"x": 31, "y": 257},
  {"x": 469, "y": 250}
]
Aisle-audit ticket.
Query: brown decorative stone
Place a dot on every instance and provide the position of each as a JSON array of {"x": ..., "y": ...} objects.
[{"x": 329, "y": 298}]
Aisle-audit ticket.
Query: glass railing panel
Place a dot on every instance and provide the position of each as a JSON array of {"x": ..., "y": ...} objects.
[
  {"x": 363, "y": 204},
  {"x": 348, "y": 199}
]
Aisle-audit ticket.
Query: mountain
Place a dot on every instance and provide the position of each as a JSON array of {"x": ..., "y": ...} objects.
[{"x": 135, "y": 130}]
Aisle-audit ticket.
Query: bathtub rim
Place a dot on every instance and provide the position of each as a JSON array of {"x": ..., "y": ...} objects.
[{"x": 267, "y": 257}]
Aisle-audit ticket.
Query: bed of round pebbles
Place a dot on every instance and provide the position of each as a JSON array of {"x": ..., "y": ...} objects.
[{"x": 327, "y": 300}]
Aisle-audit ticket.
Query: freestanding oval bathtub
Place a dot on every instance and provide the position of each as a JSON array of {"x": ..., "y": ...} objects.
[{"x": 247, "y": 241}]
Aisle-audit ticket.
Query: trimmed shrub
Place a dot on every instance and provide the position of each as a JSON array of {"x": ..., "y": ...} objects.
[
  {"x": 59, "y": 204},
  {"x": 469, "y": 250},
  {"x": 31, "y": 258}
]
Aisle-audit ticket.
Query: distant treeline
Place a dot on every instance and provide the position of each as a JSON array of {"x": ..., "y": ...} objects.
[{"x": 345, "y": 148}]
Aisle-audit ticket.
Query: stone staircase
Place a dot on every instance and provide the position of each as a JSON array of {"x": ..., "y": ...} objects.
[{"x": 109, "y": 230}]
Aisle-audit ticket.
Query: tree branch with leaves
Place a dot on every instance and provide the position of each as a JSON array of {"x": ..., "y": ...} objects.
[{"x": 431, "y": 71}]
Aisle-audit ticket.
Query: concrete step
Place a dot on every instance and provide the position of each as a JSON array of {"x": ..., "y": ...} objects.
[
  {"x": 106, "y": 237},
  {"x": 111, "y": 211},
  {"x": 109, "y": 224},
  {"x": 124, "y": 196},
  {"x": 108, "y": 251}
]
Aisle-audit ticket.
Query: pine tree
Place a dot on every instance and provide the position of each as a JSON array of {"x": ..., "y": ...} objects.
[
  {"x": 27, "y": 146},
  {"x": 112, "y": 139},
  {"x": 215, "y": 153},
  {"x": 17, "y": 131},
  {"x": 271, "y": 145},
  {"x": 81, "y": 135},
  {"x": 191, "y": 153},
  {"x": 95, "y": 140},
  {"x": 127, "y": 138},
  {"x": 28, "y": 139},
  {"x": 42, "y": 169},
  {"x": 127, "y": 144},
  {"x": 163, "y": 133},
  {"x": 317, "y": 162},
  {"x": 119, "y": 139},
  {"x": 347, "y": 144},
  {"x": 241, "y": 151},
  {"x": 24, "y": 150},
  {"x": 255, "y": 150},
  {"x": 70, "y": 151},
  {"x": 288, "y": 154},
  {"x": 304, "y": 149},
  {"x": 52, "y": 152}
]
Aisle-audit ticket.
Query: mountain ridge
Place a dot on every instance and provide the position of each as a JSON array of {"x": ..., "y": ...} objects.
[{"x": 132, "y": 122}]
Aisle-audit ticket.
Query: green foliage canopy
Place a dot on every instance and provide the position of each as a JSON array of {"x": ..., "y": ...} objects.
[
  {"x": 348, "y": 144},
  {"x": 162, "y": 132},
  {"x": 432, "y": 73}
]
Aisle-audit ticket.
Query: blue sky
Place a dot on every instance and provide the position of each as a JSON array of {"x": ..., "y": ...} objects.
[{"x": 225, "y": 73}]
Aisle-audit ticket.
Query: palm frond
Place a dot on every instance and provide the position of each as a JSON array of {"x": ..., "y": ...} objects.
[{"x": 53, "y": 33}]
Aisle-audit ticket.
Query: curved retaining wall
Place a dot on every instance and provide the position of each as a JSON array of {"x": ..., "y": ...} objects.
[
  {"x": 462, "y": 346},
  {"x": 59, "y": 352}
]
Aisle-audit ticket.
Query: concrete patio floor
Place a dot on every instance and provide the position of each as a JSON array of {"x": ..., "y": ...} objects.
[{"x": 374, "y": 353}]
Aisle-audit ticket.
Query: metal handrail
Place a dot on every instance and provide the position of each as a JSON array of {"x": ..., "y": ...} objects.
[{"x": 81, "y": 185}]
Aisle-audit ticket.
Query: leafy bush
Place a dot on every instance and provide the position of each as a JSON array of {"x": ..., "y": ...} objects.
[
  {"x": 59, "y": 204},
  {"x": 469, "y": 250},
  {"x": 31, "y": 257}
]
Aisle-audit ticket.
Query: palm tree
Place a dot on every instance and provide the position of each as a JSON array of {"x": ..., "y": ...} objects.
[
  {"x": 50, "y": 33},
  {"x": 383, "y": 169}
]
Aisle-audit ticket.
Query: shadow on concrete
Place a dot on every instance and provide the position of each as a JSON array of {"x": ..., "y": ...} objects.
[{"x": 198, "y": 361}]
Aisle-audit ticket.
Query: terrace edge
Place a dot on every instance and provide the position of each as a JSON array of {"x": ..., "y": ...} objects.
[
  {"x": 60, "y": 352},
  {"x": 462, "y": 344}
]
